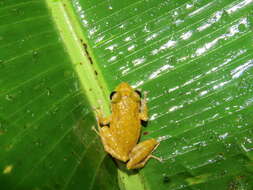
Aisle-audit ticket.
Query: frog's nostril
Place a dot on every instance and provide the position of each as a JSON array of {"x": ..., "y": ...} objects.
[{"x": 125, "y": 93}]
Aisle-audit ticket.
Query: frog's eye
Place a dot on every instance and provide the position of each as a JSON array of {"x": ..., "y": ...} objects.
[
  {"x": 138, "y": 92},
  {"x": 111, "y": 95},
  {"x": 115, "y": 97}
]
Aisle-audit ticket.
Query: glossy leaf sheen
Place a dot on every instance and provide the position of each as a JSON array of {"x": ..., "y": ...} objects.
[
  {"x": 46, "y": 140},
  {"x": 195, "y": 59}
]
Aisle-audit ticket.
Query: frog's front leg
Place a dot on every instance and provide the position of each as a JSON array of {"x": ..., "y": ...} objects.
[
  {"x": 102, "y": 121},
  {"x": 141, "y": 154},
  {"x": 144, "y": 109}
]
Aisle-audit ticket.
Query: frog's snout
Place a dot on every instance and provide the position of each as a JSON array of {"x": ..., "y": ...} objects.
[
  {"x": 125, "y": 93},
  {"x": 124, "y": 87}
]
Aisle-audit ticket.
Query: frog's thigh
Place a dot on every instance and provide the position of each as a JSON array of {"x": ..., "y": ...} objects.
[
  {"x": 110, "y": 144},
  {"x": 141, "y": 153}
]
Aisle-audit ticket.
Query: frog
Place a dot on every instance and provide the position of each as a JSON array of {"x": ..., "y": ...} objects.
[{"x": 120, "y": 132}]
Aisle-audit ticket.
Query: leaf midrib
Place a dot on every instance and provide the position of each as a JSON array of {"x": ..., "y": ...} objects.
[{"x": 70, "y": 31}]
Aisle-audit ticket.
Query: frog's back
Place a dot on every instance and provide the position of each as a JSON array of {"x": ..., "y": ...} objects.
[{"x": 125, "y": 124}]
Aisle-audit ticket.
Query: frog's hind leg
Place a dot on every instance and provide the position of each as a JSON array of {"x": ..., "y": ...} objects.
[
  {"x": 141, "y": 153},
  {"x": 110, "y": 144}
]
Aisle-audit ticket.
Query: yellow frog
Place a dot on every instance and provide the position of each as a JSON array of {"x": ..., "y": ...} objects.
[{"x": 120, "y": 132}]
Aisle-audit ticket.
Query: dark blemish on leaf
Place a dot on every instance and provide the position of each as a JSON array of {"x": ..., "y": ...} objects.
[
  {"x": 166, "y": 179},
  {"x": 145, "y": 133},
  {"x": 85, "y": 46},
  {"x": 96, "y": 73},
  {"x": 91, "y": 62},
  {"x": 57, "y": 186},
  {"x": 223, "y": 173}
]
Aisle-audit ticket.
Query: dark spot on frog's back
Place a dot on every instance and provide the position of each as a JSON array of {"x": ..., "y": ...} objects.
[{"x": 166, "y": 179}]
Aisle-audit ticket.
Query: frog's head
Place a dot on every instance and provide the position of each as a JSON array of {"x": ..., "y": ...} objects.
[
  {"x": 124, "y": 87},
  {"x": 124, "y": 90}
]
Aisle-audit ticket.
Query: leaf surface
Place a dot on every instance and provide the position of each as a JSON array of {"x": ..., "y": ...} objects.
[
  {"x": 195, "y": 59},
  {"x": 46, "y": 141}
]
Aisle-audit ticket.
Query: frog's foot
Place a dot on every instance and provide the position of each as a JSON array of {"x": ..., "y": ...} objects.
[
  {"x": 156, "y": 158},
  {"x": 141, "y": 153}
]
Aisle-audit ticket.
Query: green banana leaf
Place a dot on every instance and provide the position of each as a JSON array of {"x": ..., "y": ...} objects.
[{"x": 59, "y": 59}]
